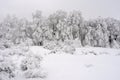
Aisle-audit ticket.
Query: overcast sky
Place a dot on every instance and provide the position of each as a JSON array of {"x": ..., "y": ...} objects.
[{"x": 89, "y": 8}]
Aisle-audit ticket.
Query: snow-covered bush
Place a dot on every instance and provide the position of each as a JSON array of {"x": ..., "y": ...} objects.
[
  {"x": 31, "y": 62},
  {"x": 52, "y": 45},
  {"x": 35, "y": 73},
  {"x": 69, "y": 49},
  {"x": 30, "y": 66},
  {"x": 7, "y": 67},
  {"x": 9, "y": 62},
  {"x": 17, "y": 60}
]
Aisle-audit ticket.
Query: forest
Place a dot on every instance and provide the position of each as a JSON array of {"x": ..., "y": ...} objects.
[{"x": 60, "y": 26}]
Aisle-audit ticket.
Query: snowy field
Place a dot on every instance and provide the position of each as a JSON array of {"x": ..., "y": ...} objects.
[
  {"x": 84, "y": 64},
  {"x": 72, "y": 67},
  {"x": 105, "y": 66}
]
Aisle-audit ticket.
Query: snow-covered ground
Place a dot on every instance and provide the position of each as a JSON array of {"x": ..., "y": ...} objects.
[
  {"x": 85, "y": 64},
  {"x": 89, "y": 67}
]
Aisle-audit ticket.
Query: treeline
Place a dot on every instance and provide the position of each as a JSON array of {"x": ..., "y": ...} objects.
[{"x": 60, "y": 26}]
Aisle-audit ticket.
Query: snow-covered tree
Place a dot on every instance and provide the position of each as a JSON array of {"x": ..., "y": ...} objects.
[
  {"x": 9, "y": 30},
  {"x": 75, "y": 22},
  {"x": 56, "y": 23},
  {"x": 36, "y": 30},
  {"x": 60, "y": 26},
  {"x": 113, "y": 26}
]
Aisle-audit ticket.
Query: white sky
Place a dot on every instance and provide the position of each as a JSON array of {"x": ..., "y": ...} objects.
[{"x": 89, "y": 8}]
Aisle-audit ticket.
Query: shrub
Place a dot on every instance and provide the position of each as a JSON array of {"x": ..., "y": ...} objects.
[
  {"x": 30, "y": 65},
  {"x": 69, "y": 49},
  {"x": 7, "y": 68}
]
